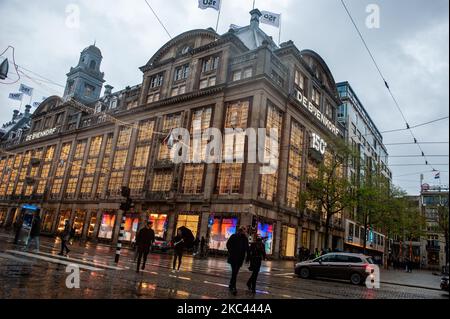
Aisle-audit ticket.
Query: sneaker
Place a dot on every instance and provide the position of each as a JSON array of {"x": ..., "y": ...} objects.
[{"x": 173, "y": 271}]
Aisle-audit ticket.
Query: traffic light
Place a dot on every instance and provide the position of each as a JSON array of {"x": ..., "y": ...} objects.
[
  {"x": 127, "y": 205},
  {"x": 254, "y": 222},
  {"x": 125, "y": 192}
]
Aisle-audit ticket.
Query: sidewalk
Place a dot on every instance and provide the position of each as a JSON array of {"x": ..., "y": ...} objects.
[{"x": 418, "y": 278}]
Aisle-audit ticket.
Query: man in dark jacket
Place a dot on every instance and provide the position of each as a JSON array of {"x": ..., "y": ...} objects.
[
  {"x": 35, "y": 231},
  {"x": 144, "y": 241},
  {"x": 237, "y": 246}
]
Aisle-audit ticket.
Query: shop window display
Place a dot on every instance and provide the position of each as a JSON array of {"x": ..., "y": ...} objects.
[
  {"x": 265, "y": 231},
  {"x": 107, "y": 226},
  {"x": 78, "y": 222},
  {"x": 63, "y": 216},
  {"x": 221, "y": 231},
  {"x": 91, "y": 228},
  {"x": 189, "y": 221},
  {"x": 131, "y": 228},
  {"x": 159, "y": 224}
]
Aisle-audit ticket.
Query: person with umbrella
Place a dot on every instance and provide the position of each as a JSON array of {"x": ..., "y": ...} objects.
[
  {"x": 183, "y": 239},
  {"x": 237, "y": 246}
]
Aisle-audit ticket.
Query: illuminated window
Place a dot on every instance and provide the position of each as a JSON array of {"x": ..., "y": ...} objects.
[
  {"x": 124, "y": 137},
  {"x": 62, "y": 163},
  {"x": 193, "y": 179},
  {"x": 229, "y": 176},
  {"x": 79, "y": 151},
  {"x": 107, "y": 226},
  {"x": 91, "y": 165},
  {"x": 120, "y": 159},
  {"x": 96, "y": 143},
  {"x": 141, "y": 156},
  {"x": 269, "y": 182},
  {"x": 146, "y": 131},
  {"x": 221, "y": 231},
  {"x": 104, "y": 171},
  {"x": 57, "y": 185},
  {"x": 115, "y": 182},
  {"x": 137, "y": 180},
  {"x": 190, "y": 222},
  {"x": 162, "y": 181},
  {"x": 49, "y": 153},
  {"x": 43, "y": 179},
  {"x": 71, "y": 186},
  {"x": 171, "y": 121},
  {"x": 86, "y": 185},
  {"x": 295, "y": 165},
  {"x": 288, "y": 242}
]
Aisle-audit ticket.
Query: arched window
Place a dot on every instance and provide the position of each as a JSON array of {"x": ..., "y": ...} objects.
[{"x": 92, "y": 65}]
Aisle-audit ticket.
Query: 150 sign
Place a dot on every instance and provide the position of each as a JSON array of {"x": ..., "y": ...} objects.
[{"x": 318, "y": 143}]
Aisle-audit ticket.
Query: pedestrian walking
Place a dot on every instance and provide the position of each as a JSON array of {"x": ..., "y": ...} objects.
[
  {"x": 144, "y": 241},
  {"x": 237, "y": 246},
  {"x": 35, "y": 231},
  {"x": 256, "y": 254},
  {"x": 178, "y": 248},
  {"x": 65, "y": 237},
  {"x": 196, "y": 245},
  {"x": 18, "y": 228},
  {"x": 202, "y": 246}
]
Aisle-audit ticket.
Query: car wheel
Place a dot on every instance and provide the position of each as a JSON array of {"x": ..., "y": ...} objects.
[
  {"x": 355, "y": 278},
  {"x": 305, "y": 273}
]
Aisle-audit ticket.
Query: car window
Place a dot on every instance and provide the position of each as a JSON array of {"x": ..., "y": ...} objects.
[
  {"x": 370, "y": 260},
  {"x": 342, "y": 258},
  {"x": 355, "y": 260},
  {"x": 329, "y": 258}
]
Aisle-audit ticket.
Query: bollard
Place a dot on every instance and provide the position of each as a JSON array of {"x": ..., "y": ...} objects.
[{"x": 120, "y": 239}]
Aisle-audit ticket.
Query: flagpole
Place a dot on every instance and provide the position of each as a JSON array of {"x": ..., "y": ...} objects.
[
  {"x": 279, "y": 32},
  {"x": 254, "y": 1},
  {"x": 218, "y": 16}
]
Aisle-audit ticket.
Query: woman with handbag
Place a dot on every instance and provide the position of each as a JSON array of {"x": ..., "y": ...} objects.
[{"x": 257, "y": 253}]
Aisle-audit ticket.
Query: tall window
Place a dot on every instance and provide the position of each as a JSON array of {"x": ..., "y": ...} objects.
[
  {"x": 210, "y": 64},
  {"x": 269, "y": 182},
  {"x": 91, "y": 166},
  {"x": 171, "y": 121},
  {"x": 120, "y": 159},
  {"x": 230, "y": 174},
  {"x": 45, "y": 172},
  {"x": 300, "y": 81},
  {"x": 182, "y": 72},
  {"x": 162, "y": 181},
  {"x": 62, "y": 164},
  {"x": 104, "y": 170},
  {"x": 75, "y": 168},
  {"x": 156, "y": 80},
  {"x": 193, "y": 173},
  {"x": 316, "y": 96},
  {"x": 295, "y": 165}
]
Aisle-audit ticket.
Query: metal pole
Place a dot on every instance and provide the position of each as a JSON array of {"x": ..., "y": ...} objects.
[
  {"x": 218, "y": 16},
  {"x": 279, "y": 33},
  {"x": 120, "y": 239}
]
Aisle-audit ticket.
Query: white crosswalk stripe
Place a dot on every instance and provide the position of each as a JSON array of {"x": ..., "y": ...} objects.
[{"x": 53, "y": 260}]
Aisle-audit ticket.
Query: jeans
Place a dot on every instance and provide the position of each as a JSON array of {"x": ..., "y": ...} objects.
[
  {"x": 142, "y": 254},
  {"x": 36, "y": 242},
  {"x": 177, "y": 255},
  {"x": 64, "y": 247},
  {"x": 234, "y": 272}
]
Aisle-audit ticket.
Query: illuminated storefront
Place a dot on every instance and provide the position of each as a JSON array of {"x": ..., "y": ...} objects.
[
  {"x": 221, "y": 231},
  {"x": 107, "y": 226},
  {"x": 78, "y": 222},
  {"x": 63, "y": 216},
  {"x": 47, "y": 221},
  {"x": 159, "y": 224},
  {"x": 189, "y": 221},
  {"x": 288, "y": 241},
  {"x": 91, "y": 228},
  {"x": 131, "y": 228},
  {"x": 3, "y": 213},
  {"x": 265, "y": 231}
]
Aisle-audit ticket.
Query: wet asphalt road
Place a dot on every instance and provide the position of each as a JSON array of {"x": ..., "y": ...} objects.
[{"x": 43, "y": 275}]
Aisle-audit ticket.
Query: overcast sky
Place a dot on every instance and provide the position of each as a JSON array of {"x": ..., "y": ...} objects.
[{"x": 411, "y": 47}]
